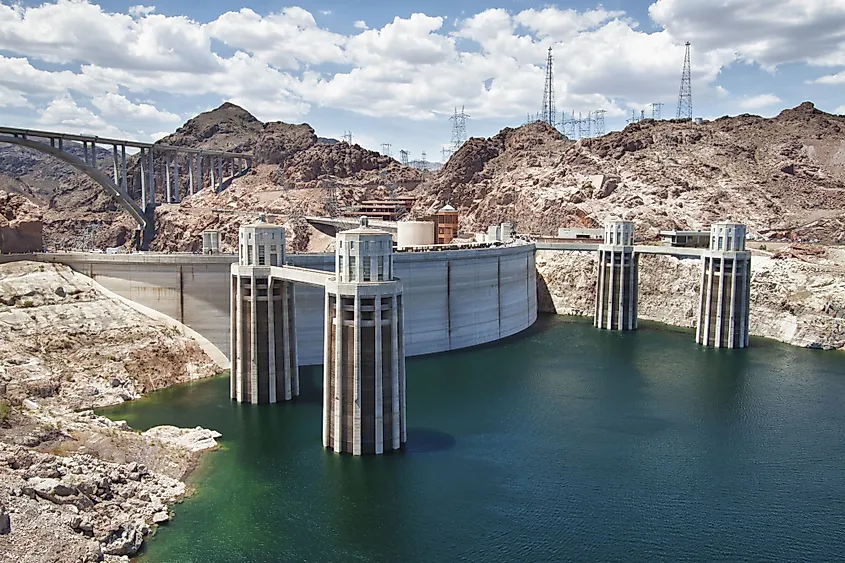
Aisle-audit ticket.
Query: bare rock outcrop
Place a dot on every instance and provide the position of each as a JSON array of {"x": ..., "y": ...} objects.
[{"x": 20, "y": 224}]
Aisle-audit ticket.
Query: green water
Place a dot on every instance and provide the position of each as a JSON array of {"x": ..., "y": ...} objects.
[{"x": 565, "y": 444}]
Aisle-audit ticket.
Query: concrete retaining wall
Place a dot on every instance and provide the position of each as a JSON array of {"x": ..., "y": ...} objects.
[{"x": 453, "y": 299}]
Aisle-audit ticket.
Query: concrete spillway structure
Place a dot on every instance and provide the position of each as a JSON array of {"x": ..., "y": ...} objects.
[
  {"x": 725, "y": 289},
  {"x": 616, "y": 291},
  {"x": 263, "y": 336},
  {"x": 364, "y": 364}
]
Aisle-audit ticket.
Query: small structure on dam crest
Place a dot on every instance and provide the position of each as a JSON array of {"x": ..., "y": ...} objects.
[
  {"x": 616, "y": 291},
  {"x": 364, "y": 367},
  {"x": 725, "y": 289},
  {"x": 263, "y": 336}
]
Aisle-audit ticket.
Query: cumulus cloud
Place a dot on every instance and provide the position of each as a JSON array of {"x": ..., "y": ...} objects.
[
  {"x": 761, "y": 101},
  {"x": 74, "y": 31},
  {"x": 139, "y": 10},
  {"x": 769, "y": 32},
  {"x": 280, "y": 65},
  {"x": 286, "y": 40},
  {"x": 831, "y": 79},
  {"x": 115, "y": 105}
]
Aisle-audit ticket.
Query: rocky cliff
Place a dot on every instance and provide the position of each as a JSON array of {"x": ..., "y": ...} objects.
[
  {"x": 75, "y": 486},
  {"x": 800, "y": 301}
]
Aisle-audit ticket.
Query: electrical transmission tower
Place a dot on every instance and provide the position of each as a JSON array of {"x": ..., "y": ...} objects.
[
  {"x": 599, "y": 121},
  {"x": 548, "y": 113},
  {"x": 347, "y": 136},
  {"x": 403, "y": 157},
  {"x": 385, "y": 149},
  {"x": 330, "y": 197},
  {"x": 685, "y": 95},
  {"x": 571, "y": 127},
  {"x": 459, "y": 129},
  {"x": 445, "y": 154},
  {"x": 656, "y": 110},
  {"x": 633, "y": 118},
  {"x": 642, "y": 114},
  {"x": 423, "y": 163}
]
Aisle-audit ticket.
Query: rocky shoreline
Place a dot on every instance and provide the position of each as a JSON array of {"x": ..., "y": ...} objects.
[
  {"x": 75, "y": 486},
  {"x": 797, "y": 294}
]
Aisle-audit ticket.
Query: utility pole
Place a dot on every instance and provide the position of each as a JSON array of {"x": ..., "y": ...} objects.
[
  {"x": 685, "y": 95},
  {"x": 403, "y": 157}
]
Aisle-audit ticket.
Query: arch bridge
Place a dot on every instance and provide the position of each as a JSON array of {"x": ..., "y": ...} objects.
[{"x": 222, "y": 167}]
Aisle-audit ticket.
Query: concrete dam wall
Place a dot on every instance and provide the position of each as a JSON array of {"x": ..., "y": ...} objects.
[{"x": 453, "y": 299}]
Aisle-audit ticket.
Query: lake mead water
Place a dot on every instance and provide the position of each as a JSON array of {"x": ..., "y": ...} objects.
[{"x": 565, "y": 444}]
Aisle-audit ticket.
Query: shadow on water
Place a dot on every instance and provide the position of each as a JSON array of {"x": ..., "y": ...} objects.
[{"x": 425, "y": 440}]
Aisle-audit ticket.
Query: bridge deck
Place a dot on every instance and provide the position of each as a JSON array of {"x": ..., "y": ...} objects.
[{"x": 38, "y": 134}]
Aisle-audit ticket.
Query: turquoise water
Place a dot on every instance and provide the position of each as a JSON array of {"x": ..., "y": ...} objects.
[{"x": 565, "y": 444}]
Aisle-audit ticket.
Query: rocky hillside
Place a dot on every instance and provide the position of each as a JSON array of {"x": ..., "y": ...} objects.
[
  {"x": 75, "y": 486},
  {"x": 783, "y": 176}
]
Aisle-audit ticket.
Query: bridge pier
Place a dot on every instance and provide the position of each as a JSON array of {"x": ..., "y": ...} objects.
[
  {"x": 364, "y": 358},
  {"x": 616, "y": 290},
  {"x": 263, "y": 332},
  {"x": 725, "y": 289}
]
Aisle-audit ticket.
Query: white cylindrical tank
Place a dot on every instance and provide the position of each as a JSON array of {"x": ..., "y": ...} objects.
[{"x": 414, "y": 233}]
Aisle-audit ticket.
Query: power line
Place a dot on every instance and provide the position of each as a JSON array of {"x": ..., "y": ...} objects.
[
  {"x": 685, "y": 95},
  {"x": 548, "y": 114}
]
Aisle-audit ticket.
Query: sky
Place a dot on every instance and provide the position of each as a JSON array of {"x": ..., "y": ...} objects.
[{"x": 394, "y": 72}]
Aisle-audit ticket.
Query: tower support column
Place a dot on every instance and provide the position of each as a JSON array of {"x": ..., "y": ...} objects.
[
  {"x": 265, "y": 367},
  {"x": 725, "y": 289},
  {"x": 617, "y": 289}
]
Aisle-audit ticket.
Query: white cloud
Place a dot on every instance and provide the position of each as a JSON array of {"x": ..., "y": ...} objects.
[
  {"x": 831, "y": 79},
  {"x": 281, "y": 65},
  {"x": 563, "y": 24},
  {"x": 413, "y": 40},
  {"x": 64, "y": 114},
  {"x": 284, "y": 40},
  {"x": 115, "y": 105},
  {"x": 761, "y": 101},
  {"x": 139, "y": 10},
  {"x": 770, "y": 32},
  {"x": 12, "y": 99},
  {"x": 840, "y": 110},
  {"x": 72, "y": 31}
]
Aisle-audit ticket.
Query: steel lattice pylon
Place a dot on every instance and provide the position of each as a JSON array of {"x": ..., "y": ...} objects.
[
  {"x": 548, "y": 114},
  {"x": 685, "y": 96}
]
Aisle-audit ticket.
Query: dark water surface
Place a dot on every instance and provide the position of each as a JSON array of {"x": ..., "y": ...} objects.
[{"x": 568, "y": 444}]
